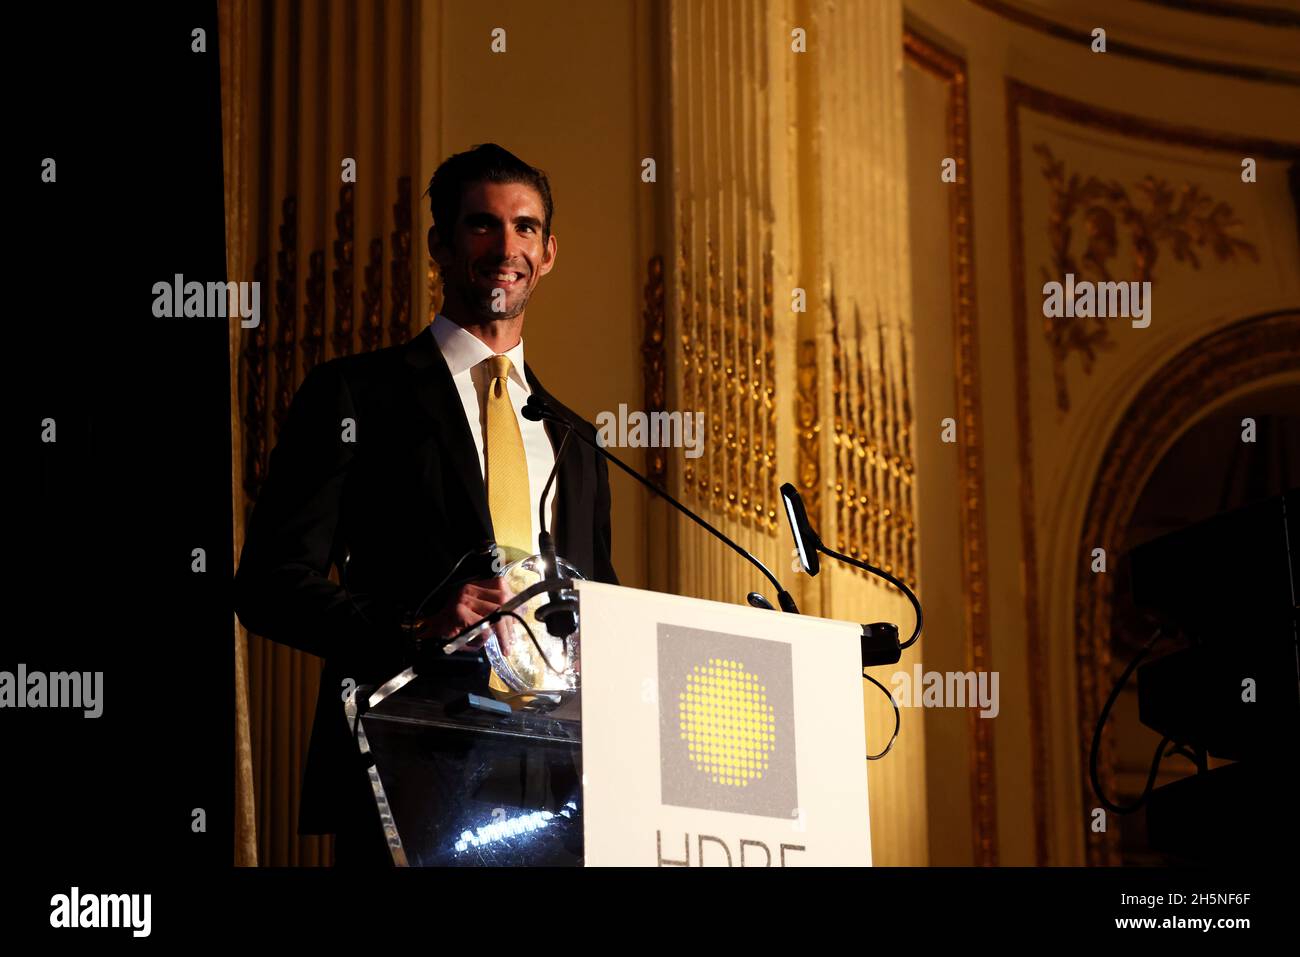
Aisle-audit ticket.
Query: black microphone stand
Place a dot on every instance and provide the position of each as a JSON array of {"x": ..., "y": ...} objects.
[
  {"x": 880, "y": 645},
  {"x": 560, "y": 614},
  {"x": 536, "y": 410}
]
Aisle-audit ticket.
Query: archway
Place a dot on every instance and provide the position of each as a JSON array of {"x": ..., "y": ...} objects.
[{"x": 1205, "y": 377}]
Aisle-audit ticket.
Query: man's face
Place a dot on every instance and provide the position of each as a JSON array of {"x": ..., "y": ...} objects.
[{"x": 497, "y": 245}]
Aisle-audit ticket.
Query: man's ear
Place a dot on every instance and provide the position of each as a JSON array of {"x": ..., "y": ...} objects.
[
  {"x": 549, "y": 262},
  {"x": 436, "y": 248}
]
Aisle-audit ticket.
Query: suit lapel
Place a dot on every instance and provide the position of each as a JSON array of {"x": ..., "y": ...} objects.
[
  {"x": 436, "y": 393},
  {"x": 572, "y": 482}
]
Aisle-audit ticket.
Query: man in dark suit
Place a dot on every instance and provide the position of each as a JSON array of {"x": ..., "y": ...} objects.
[{"x": 398, "y": 464}]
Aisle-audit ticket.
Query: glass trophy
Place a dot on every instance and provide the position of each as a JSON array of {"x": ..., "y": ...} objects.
[
  {"x": 521, "y": 649},
  {"x": 533, "y": 646}
]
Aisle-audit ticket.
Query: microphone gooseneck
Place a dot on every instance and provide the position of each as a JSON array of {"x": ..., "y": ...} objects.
[
  {"x": 560, "y": 614},
  {"x": 880, "y": 645},
  {"x": 537, "y": 410}
]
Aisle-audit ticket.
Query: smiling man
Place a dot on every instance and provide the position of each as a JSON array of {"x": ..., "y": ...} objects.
[{"x": 413, "y": 466}]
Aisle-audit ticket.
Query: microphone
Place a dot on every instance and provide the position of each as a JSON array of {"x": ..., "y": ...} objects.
[
  {"x": 880, "y": 639},
  {"x": 805, "y": 539},
  {"x": 537, "y": 410}
]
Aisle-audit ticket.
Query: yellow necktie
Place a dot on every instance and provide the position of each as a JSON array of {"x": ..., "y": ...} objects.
[
  {"x": 507, "y": 474},
  {"x": 507, "y": 465}
]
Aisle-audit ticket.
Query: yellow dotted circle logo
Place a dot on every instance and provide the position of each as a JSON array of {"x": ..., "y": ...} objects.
[{"x": 726, "y": 722}]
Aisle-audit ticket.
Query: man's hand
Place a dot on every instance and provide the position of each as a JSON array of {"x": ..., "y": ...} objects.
[{"x": 471, "y": 602}]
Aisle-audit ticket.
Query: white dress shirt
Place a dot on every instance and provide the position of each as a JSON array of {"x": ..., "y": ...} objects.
[{"x": 465, "y": 354}]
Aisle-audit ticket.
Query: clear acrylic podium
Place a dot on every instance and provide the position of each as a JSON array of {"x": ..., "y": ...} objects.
[
  {"x": 699, "y": 722},
  {"x": 455, "y": 784}
]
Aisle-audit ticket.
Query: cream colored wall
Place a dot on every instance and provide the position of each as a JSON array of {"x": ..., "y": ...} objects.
[
  {"x": 943, "y": 647},
  {"x": 1066, "y": 447},
  {"x": 562, "y": 97}
]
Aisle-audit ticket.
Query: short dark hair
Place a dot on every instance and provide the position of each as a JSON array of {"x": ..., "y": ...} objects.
[{"x": 486, "y": 162}]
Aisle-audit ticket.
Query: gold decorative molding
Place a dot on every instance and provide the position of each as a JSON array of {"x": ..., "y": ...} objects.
[
  {"x": 1184, "y": 219},
  {"x": 372, "y": 298},
  {"x": 1021, "y": 96},
  {"x": 1171, "y": 401},
  {"x": 399, "y": 321},
  {"x": 951, "y": 70},
  {"x": 764, "y": 394},
  {"x": 1139, "y": 127},
  {"x": 313, "y": 333},
  {"x": 846, "y": 500},
  {"x": 298, "y": 85},
  {"x": 286, "y": 310},
  {"x": 728, "y": 373},
  {"x": 743, "y": 433},
  {"x": 434, "y": 286},
  {"x": 654, "y": 359},
  {"x": 695, "y": 472},
  {"x": 714, "y": 388},
  {"x": 873, "y": 481},
  {"x": 344, "y": 280},
  {"x": 256, "y": 383},
  {"x": 1272, "y": 16},
  {"x": 1034, "y": 651},
  {"x": 721, "y": 80},
  {"x": 808, "y": 425},
  {"x": 1121, "y": 47}
]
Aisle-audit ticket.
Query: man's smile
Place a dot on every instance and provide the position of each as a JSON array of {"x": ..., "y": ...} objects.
[{"x": 501, "y": 278}]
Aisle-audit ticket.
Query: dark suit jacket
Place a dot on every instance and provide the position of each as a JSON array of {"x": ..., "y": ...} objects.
[{"x": 405, "y": 501}]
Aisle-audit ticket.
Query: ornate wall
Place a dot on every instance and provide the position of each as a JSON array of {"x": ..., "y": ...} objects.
[
  {"x": 797, "y": 271},
  {"x": 1123, "y": 165},
  {"x": 951, "y": 507},
  {"x": 345, "y": 267},
  {"x": 306, "y": 86},
  {"x": 685, "y": 282},
  {"x": 790, "y": 326}
]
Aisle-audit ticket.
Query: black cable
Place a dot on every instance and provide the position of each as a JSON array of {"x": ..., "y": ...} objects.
[
  {"x": 1095, "y": 750},
  {"x": 898, "y": 718},
  {"x": 907, "y": 592},
  {"x": 537, "y": 410},
  {"x": 347, "y": 561},
  {"x": 519, "y": 618},
  {"x": 1156, "y": 758},
  {"x": 1182, "y": 751},
  {"x": 767, "y": 573},
  {"x": 480, "y": 550}
]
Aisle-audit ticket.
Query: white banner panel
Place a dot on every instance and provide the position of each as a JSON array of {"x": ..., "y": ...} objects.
[{"x": 716, "y": 734}]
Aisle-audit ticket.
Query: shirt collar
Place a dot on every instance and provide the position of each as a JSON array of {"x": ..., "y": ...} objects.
[{"x": 463, "y": 350}]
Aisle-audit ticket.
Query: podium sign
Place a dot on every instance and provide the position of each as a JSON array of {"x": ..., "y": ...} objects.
[{"x": 719, "y": 735}]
